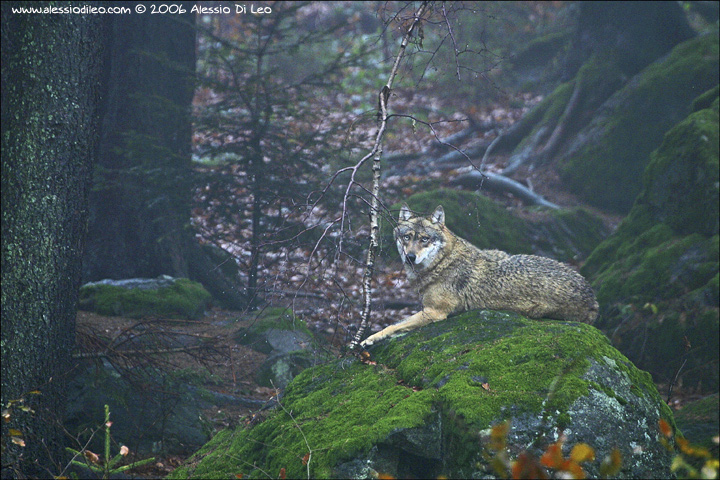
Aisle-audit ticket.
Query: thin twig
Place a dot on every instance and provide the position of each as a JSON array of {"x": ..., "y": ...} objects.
[
  {"x": 376, "y": 154},
  {"x": 307, "y": 444},
  {"x": 125, "y": 353}
]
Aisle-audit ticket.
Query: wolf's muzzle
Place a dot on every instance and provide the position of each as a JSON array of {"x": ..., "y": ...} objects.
[{"x": 410, "y": 258}]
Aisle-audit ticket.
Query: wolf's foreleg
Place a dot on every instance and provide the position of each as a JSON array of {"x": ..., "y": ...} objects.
[{"x": 412, "y": 322}]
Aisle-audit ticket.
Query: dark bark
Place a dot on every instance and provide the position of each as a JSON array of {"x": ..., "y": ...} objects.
[
  {"x": 51, "y": 73},
  {"x": 140, "y": 207}
]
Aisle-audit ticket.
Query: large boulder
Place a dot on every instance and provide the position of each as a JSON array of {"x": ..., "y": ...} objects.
[
  {"x": 163, "y": 296},
  {"x": 656, "y": 277},
  {"x": 426, "y": 403}
]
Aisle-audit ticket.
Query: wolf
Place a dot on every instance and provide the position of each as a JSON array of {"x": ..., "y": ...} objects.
[{"x": 453, "y": 276}]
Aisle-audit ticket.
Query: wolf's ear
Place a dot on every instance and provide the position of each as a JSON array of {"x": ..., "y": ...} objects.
[
  {"x": 405, "y": 213},
  {"x": 438, "y": 216}
]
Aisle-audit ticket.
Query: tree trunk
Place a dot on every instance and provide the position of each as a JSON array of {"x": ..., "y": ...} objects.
[
  {"x": 51, "y": 73},
  {"x": 140, "y": 207}
]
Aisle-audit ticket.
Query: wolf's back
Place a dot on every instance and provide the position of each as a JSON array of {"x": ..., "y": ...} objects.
[
  {"x": 544, "y": 288},
  {"x": 537, "y": 287}
]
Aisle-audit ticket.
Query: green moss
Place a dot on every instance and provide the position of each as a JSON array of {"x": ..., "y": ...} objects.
[
  {"x": 339, "y": 415},
  {"x": 707, "y": 99},
  {"x": 680, "y": 182},
  {"x": 655, "y": 267},
  {"x": 475, "y": 370},
  {"x": 183, "y": 299}
]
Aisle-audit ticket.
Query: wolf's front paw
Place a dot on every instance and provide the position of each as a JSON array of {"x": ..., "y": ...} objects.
[{"x": 369, "y": 341}]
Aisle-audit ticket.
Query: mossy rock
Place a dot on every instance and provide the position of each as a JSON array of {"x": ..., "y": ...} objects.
[
  {"x": 425, "y": 407},
  {"x": 280, "y": 368},
  {"x": 656, "y": 277},
  {"x": 605, "y": 160},
  {"x": 534, "y": 65},
  {"x": 275, "y": 330},
  {"x": 137, "y": 298},
  {"x": 287, "y": 341},
  {"x": 681, "y": 180},
  {"x": 566, "y": 235}
]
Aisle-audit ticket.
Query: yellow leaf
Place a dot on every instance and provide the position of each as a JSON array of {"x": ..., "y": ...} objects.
[
  {"x": 582, "y": 452},
  {"x": 18, "y": 441},
  {"x": 15, "y": 433}
]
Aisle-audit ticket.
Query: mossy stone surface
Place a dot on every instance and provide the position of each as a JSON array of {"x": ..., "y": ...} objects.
[
  {"x": 176, "y": 298},
  {"x": 681, "y": 180},
  {"x": 656, "y": 277},
  {"x": 431, "y": 396},
  {"x": 287, "y": 341},
  {"x": 566, "y": 235},
  {"x": 605, "y": 160},
  {"x": 275, "y": 330}
]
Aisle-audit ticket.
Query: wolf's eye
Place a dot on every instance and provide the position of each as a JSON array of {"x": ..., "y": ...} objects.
[
  {"x": 406, "y": 237},
  {"x": 425, "y": 239}
]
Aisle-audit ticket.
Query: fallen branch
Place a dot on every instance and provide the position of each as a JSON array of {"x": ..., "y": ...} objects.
[
  {"x": 494, "y": 181},
  {"x": 126, "y": 353}
]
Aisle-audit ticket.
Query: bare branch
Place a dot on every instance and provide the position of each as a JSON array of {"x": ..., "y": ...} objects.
[{"x": 376, "y": 154}]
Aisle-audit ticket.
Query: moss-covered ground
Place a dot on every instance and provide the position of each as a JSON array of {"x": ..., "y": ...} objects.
[{"x": 478, "y": 369}]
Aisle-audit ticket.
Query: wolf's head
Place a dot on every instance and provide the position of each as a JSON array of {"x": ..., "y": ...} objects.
[{"x": 419, "y": 238}]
